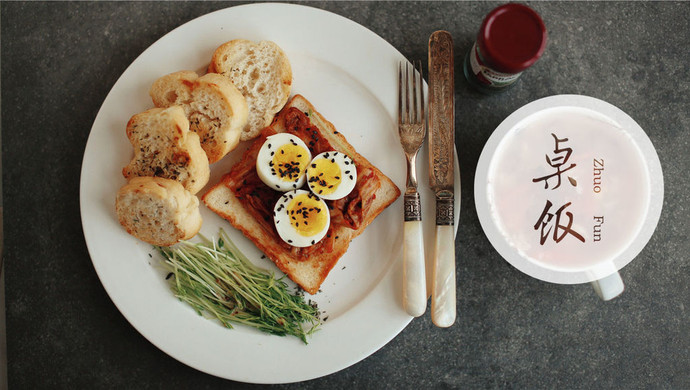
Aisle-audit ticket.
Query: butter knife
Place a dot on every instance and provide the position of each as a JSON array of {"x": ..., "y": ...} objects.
[{"x": 441, "y": 159}]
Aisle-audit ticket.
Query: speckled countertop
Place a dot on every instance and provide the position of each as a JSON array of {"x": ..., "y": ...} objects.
[{"x": 60, "y": 59}]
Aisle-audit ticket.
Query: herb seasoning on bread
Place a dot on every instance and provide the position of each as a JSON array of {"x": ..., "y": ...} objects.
[
  {"x": 216, "y": 109},
  {"x": 164, "y": 147}
]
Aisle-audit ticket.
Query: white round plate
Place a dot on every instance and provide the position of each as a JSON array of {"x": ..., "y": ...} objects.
[
  {"x": 350, "y": 75},
  {"x": 509, "y": 191}
]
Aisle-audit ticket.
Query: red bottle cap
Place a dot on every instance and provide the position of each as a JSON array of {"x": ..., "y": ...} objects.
[{"x": 512, "y": 38}]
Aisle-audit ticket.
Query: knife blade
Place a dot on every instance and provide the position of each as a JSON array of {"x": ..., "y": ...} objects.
[{"x": 441, "y": 159}]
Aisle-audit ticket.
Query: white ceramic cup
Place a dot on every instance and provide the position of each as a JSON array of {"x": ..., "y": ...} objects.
[{"x": 569, "y": 190}]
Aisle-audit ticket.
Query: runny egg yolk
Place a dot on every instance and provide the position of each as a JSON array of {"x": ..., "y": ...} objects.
[
  {"x": 307, "y": 214},
  {"x": 289, "y": 162},
  {"x": 328, "y": 178}
]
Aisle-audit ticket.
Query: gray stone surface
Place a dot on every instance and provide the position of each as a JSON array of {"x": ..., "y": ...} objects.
[{"x": 59, "y": 60}]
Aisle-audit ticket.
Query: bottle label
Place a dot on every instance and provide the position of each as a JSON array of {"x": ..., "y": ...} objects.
[{"x": 488, "y": 76}]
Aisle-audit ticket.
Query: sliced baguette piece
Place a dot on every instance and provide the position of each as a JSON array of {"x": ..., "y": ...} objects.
[
  {"x": 164, "y": 147},
  {"x": 262, "y": 72},
  {"x": 216, "y": 109},
  {"x": 158, "y": 211},
  {"x": 306, "y": 268}
]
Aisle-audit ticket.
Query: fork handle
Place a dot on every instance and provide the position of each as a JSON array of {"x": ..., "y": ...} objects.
[{"x": 414, "y": 279}]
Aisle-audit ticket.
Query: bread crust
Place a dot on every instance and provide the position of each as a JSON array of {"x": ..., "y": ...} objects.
[
  {"x": 263, "y": 74},
  {"x": 310, "y": 270},
  {"x": 164, "y": 147},
  {"x": 216, "y": 109},
  {"x": 158, "y": 211}
]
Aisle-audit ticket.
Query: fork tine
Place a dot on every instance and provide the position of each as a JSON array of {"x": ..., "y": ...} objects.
[
  {"x": 400, "y": 93},
  {"x": 407, "y": 93},
  {"x": 421, "y": 92},
  {"x": 414, "y": 113}
]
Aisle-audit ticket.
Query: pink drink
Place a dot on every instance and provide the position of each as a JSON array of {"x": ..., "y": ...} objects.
[{"x": 568, "y": 189}]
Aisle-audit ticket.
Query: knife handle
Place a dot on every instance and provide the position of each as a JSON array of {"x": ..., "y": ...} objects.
[
  {"x": 414, "y": 274},
  {"x": 443, "y": 311}
]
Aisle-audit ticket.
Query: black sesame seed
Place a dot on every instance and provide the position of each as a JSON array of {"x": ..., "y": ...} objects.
[
  {"x": 351, "y": 178},
  {"x": 269, "y": 146},
  {"x": 313, "y": 242}
]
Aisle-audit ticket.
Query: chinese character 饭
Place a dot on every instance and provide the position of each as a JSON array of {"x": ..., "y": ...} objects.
[{"x": 547, "y": 224}]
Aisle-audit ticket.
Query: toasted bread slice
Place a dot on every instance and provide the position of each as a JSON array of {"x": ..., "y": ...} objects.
[
  {"x": 262, "y": 72},
  {"x": 157, "y": 210},
  {"x": 164, "y": 147},
  {"x": 242, "y": 199},
  {"x": 216, "y": 109}
]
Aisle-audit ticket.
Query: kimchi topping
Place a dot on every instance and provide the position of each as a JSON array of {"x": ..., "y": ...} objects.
[{"x": 259, "y": 199}]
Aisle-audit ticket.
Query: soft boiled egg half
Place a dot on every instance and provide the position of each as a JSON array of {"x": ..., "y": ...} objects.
[
  {"x": 282, "y": 162},
  {"x": 331, "y": 175},
  {"x": 301, "y": 218}
]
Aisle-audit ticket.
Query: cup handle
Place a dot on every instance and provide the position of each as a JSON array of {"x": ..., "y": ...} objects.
[{"x": 609, "y": 287}]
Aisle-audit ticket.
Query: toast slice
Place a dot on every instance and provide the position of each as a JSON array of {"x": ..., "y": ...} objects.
[
  {"x": 164, "y": 147},
  {"x": 242, "y": 198},
  {"x": 158, "y": 211},
  {"x": 262, "y": 72},
  {"x": 216, "y": 109}
]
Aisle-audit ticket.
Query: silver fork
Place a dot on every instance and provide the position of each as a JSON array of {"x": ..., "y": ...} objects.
[{"x": 412, "y": 130}]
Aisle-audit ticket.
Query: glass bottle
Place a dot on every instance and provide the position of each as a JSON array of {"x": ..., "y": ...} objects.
[{"x": 512, "y": 37}]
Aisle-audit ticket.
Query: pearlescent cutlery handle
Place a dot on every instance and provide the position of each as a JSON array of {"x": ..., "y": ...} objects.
[
  {"x": 443, "y": 310},
  {"x": 414, "y": 274}
]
